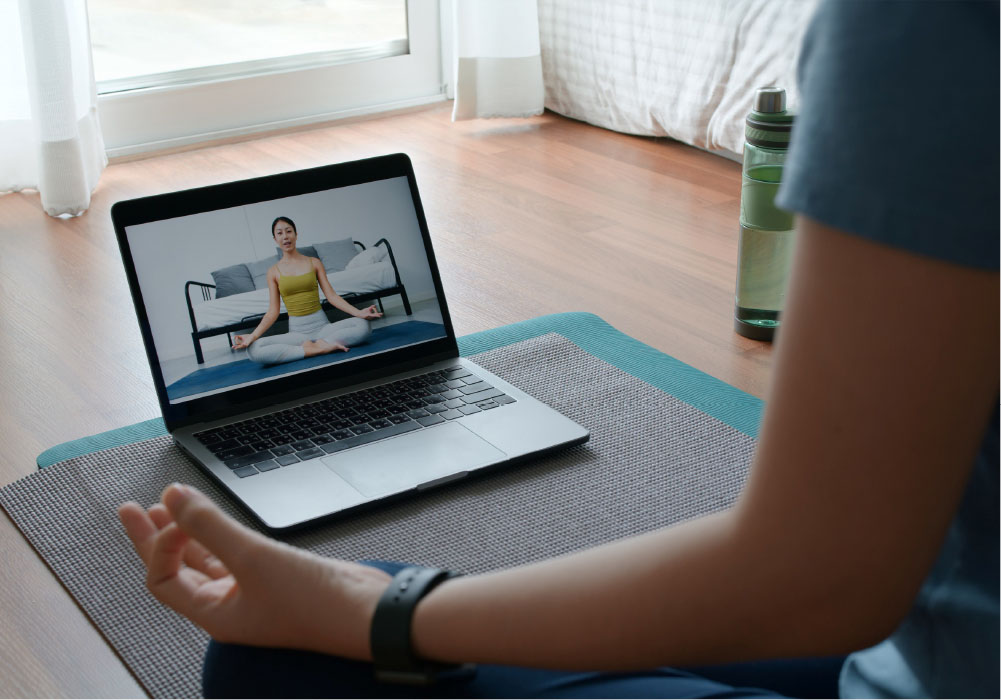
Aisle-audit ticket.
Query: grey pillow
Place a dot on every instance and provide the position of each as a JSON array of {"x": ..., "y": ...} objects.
[
  {"x": 309, "y": 251},
  {"x": 259, "y": 271},
  {"x": 335, "y": 255},
  {"x": 234, "y": 279}
]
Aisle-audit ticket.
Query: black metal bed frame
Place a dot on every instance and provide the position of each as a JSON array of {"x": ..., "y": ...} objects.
[{"x": 197, "y": 336}]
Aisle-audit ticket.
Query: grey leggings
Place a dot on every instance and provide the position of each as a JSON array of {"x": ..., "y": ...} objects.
[{"x": 287, "y": 347}]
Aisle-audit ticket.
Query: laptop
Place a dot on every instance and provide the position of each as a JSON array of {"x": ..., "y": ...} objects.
[{"x": 298, "y": 437}]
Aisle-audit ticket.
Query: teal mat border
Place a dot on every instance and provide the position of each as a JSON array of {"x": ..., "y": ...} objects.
[{"x": 589, "y": 332}]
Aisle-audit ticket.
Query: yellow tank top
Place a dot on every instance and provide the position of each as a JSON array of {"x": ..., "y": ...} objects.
[{"x": 301, "y": 293}]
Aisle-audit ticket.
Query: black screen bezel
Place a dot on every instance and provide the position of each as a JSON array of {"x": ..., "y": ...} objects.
[{"x": 171, "y": 205}]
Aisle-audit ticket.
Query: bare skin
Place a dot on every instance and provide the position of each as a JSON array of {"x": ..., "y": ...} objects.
[
  {"x": 322, "y": 347},
  {"x": 806, "y": 563},
  {"x": 295, "y": 263}
]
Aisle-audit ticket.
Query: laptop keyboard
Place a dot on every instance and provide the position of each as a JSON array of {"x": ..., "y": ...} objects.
[{"x": 312, "y": 430}]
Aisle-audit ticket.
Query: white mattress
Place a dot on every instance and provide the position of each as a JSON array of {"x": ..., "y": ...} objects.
[
  {"x": 215, "y": 313},
  {"x": 686, "y": 69}
]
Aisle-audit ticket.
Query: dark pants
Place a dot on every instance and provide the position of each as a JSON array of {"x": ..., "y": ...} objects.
[{"x": 250, "y": 672}]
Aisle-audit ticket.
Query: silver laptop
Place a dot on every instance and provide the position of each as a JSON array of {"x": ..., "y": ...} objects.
[{"x": 298, "y": 436}]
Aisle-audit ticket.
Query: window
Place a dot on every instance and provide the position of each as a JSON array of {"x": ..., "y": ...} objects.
[
  {"x": 150, "y": 44},
  {"x": 218, "y": 68}
]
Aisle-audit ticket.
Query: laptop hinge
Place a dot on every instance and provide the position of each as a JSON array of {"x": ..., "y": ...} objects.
[{"x": 305, "y": 393}]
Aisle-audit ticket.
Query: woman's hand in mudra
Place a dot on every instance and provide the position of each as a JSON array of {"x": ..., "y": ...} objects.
[
  {"x": 244, "y": 588},
  {"x": 369, "y": 314},
  {"x": 242, "y": 341}
]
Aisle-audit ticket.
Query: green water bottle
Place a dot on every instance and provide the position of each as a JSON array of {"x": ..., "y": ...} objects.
[{"x": 766, "y": 232}]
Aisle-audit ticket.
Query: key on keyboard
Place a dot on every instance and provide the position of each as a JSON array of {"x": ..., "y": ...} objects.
[{"x": 287, "y": 437}]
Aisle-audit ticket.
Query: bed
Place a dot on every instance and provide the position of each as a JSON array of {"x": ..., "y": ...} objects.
[
  {"x": 686, "y": 69},
  {"x": 213, "y": 314}
]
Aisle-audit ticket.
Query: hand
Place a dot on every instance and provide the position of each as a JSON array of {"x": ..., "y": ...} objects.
[
  {"x": 242, "y": 341},
  {"x": 369, "y": 314},
  {"x": 242, "y": 587}
]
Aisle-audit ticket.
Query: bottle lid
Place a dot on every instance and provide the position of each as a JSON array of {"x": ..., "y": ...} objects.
[
  {"x": 768, "y": 100},
  {"x": 769, "y": 124}
]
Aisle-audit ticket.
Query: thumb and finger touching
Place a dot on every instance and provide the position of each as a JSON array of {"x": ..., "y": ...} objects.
[
  {"x": 212, "y": 543},
  {"x": 216, "y": 572},
  {"x": 195, "y": 554},
  {"x": 139, "y": 527},
  {"x": 233, "y": 544}
]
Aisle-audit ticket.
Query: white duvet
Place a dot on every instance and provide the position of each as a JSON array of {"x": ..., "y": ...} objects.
[
  {"x": 215, "y": 313},
  {"x": 686, "y": 69}
]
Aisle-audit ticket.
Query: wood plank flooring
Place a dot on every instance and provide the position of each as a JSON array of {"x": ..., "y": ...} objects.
[{"x": 528, "y": 217}]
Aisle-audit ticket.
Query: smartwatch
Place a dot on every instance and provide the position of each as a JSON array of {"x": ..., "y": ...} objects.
[{"x": 392, "y": 653}]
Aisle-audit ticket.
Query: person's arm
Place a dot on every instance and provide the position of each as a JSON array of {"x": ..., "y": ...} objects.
[
  {"x": 270, "y": 316},
  {"x": 885, "y": 377},
  {"x": 336, "y": 300},
  {"x": 862, "y": 459}
]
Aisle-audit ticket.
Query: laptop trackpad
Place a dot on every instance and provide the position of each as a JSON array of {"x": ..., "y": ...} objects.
[{"x": 406, "y": 461}]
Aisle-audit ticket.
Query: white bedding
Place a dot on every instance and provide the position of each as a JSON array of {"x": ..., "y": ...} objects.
[
  {"x": 215, "y": 313},
  {"x": 686, "y": 69}
]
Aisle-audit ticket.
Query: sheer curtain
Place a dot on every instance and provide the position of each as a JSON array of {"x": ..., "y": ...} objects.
[
  {"x": 498, "y": 70},
  {"x": 50, "y": 139}
]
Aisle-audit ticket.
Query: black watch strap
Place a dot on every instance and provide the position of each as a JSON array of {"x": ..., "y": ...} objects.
[{"x": 392, "y": 652}]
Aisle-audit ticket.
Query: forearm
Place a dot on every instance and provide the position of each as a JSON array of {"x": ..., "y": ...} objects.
[
  {"x": 266, "y": 322},
  {"x": 333, "y": 297},
  {"x": 698, "y": 593},
  {"x": 337, "y": 302},
  {"x": 861, "y": 464}
]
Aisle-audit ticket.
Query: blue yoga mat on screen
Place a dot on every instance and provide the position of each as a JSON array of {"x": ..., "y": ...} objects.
[
  {"x": 242, "y": 371},
  {"x": 589, "y": 332}
]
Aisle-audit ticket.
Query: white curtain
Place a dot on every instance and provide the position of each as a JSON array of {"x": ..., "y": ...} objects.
[
  {"x": 50, "y": 139},
  {"x": 498, "y": 70}
]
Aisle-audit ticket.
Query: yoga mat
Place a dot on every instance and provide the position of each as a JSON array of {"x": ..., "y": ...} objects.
[
  {"x": 653, "y": 459},
  {"x": 242, "y": 371}
]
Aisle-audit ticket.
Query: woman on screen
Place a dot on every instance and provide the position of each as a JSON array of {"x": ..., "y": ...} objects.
[{"x": 297, "y": 279}]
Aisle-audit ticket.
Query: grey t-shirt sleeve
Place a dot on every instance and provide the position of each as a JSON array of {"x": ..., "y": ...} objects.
[{"x": 897, "y": 135}]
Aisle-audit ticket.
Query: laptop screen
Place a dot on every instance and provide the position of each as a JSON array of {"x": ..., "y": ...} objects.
[{"x": 258, "y": 295}]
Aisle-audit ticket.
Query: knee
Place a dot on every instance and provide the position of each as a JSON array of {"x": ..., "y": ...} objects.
[
  {"x": 357, "y": 330},
  {"x": 238, "y": 671},
  {"x": 254, "y": 352},
  {"x": 221, "y": 677},
  {"x": 364, "y": 329}
]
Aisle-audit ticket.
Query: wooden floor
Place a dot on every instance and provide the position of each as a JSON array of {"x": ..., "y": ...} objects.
[{"x": 528, "y": 217}]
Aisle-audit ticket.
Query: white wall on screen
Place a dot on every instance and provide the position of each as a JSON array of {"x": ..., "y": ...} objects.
[{"x": 169, "y": 253}]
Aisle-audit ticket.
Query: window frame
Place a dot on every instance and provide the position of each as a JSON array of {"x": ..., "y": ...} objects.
[{"x": 278, "y": 95}]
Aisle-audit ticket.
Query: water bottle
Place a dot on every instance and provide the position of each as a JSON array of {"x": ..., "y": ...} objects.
[{"x": 766, "y": 232}]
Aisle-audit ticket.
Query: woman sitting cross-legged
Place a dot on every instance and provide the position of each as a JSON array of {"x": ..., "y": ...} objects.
[
  {"x": 297, "y": 279},
  {"x": 868, "y": 523}
]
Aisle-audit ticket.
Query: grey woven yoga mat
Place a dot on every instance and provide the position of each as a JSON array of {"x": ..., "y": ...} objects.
[{"x": 652, "y": 460}]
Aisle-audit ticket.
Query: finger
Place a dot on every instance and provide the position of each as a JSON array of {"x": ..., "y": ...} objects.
[
  {"x": 139, "y": 527},
  {"x": 165, "y": 555},
  {"x": 167, "y": 580},
  {"x": 160, "y": 516},
  {"x": 195, "y": 554},
  {"x": 202, "y": 520}
]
